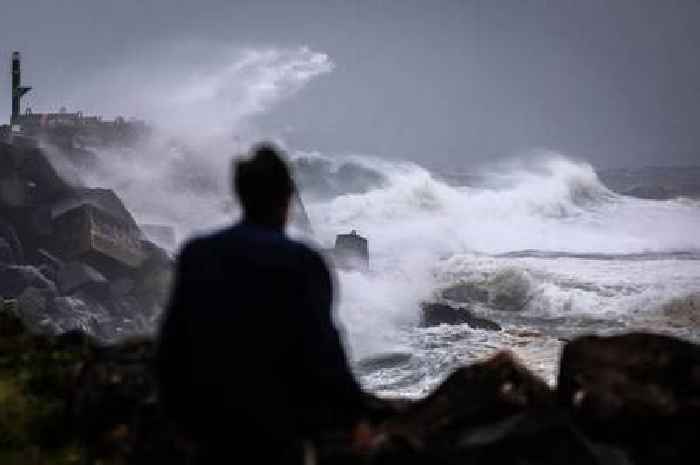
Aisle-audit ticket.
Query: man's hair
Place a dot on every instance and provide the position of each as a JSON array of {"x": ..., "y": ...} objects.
[{"x": 263, "y": 182}]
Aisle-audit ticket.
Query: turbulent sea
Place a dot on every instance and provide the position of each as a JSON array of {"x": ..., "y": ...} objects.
[
  {"x": 542, "y": 247},
  {"x": 557, "y": 253}
]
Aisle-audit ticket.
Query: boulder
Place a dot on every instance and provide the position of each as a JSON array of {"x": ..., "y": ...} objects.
[
  {"x": 77, "y": 275},
  {"x": 45, "y": 257},
  {"x": 152, "y": 280},
  {"x": 96, "y": 229},
  {"x": 121, "y": 287},
  {"x": 7, "y": 255},
  {"x": 77, "y": 313},
  {"x": 639, "y": 391},
  {"x": 16, "y": 278},
  {"x": 48, "y": 264},
  {"x": 9, "y": 235},
  {"x": 483, "y": 393},
  {"x": 491, "y": 412},
  {"x": 33, "y": 308},
  {"x": 381, "y": 361},
  {"x": 351, "y": 252},
  {"x": 436, "y": 313}
]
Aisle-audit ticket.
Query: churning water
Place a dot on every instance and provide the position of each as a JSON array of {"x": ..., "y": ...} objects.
[
  {"x": 546, "y": 250},
  {"x": 542, "y": 247}
]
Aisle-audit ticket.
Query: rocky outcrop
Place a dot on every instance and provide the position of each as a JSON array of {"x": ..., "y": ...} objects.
[
  {"x": 437, "y": 313},
  {"x": 74, "y": 257},
  {"x": 639, "y": 391},
  {"x": 628, "y": 399}
]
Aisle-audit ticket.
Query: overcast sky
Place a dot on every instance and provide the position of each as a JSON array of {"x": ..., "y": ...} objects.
[{"x": 448, "y": 83}]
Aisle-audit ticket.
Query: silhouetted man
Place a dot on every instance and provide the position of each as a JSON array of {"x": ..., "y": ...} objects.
[{"x": 249, "y": 359}]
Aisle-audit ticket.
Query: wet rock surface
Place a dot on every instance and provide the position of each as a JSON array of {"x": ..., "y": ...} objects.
[
  {"x": 639, "y": 390},
  {"x": 436, "y": 313},
  {"x": 72, "y": 256}
]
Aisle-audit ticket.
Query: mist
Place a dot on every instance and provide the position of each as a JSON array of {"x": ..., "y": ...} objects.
[{"x": 449, "y": 85}]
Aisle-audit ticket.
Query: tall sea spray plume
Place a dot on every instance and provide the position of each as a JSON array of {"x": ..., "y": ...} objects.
[{"x": 201, "y": 98}]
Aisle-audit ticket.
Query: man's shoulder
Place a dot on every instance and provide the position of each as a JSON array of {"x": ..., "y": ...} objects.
[
  {"x": 202, "y": 244},
  {"x": 281, "y": 246}
]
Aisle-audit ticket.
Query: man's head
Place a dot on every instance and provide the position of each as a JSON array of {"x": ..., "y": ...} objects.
[{"x": 264, "y": 186}]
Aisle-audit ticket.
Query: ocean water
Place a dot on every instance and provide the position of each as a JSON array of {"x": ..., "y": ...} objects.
[
  {"x": 558, "y": 254},
  {"x": 541, "y": 246},
  {"x": 542, "y": 237}
]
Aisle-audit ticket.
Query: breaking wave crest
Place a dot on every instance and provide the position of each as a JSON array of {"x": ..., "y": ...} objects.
[{"x": 547, "y": 239}]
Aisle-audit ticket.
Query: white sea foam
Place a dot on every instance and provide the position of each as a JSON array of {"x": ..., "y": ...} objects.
[
  {"x": 425, "y": 234},
  {"x": 543, "y": 232}
]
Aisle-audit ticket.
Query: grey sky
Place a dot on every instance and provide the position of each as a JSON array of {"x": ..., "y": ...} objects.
[{"x": 449, "y": 83}]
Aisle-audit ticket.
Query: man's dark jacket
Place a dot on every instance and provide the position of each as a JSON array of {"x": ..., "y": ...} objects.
[{"x": 248, "y": 346}]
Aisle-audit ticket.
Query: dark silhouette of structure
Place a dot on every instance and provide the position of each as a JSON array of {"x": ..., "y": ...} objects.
[
  {"x": 351, "y": 251},
  {"x": 18, "y": 90},
  {"x": 249, "y": 351},
  {"x": 65, "y": 129}
]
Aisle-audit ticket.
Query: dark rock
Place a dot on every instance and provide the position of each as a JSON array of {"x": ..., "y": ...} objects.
[
  {"x": 153, "y": 279},
  {"x": 377, "y": 362},
  {"x": 13, "y": 190},
  {"x": 48, "y": 272},
  {"x": 45, "y": 257},
  {"x": 480, "y": 394},
  {"x": 9, "y": 234},
  {"x": 7, "y": 255},
  {"x": 32, "y": 304},
  {"x": 76, "y": 275},
  {"x": 638, "y": 391},
  {"x": 121, "y": 287},
  {"x": 41, "y": 221},
  {"x": 351, "y": 252},
  {"x": 46, "y": 184},
  {"x": 436, "y": 313},
  {"x": 16, "y": 278},
  {"x": 104, "y": 200},
  {"x": 86, "y": 232},
  {"x": 79, "y": 312},
  {"x": 491, "y": 412},
  {"x": 534, "y": 437},
  {"x": 48, "y": 264}
]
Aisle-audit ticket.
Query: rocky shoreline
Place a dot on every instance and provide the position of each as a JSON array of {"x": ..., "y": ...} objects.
[
  {"x": 627, "y": 399},
  {"x": 73, "y": 257},
  {"x": 79, "y": 277}
]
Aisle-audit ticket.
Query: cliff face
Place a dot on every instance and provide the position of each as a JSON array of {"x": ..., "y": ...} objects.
[{"x": 629, "y": 399}]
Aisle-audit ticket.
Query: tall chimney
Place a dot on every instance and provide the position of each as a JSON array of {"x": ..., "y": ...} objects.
[{"x": 17, "y": 89}]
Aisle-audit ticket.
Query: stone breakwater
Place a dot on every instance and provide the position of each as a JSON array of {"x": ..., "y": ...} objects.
[{"x": 73, "y": 257}]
